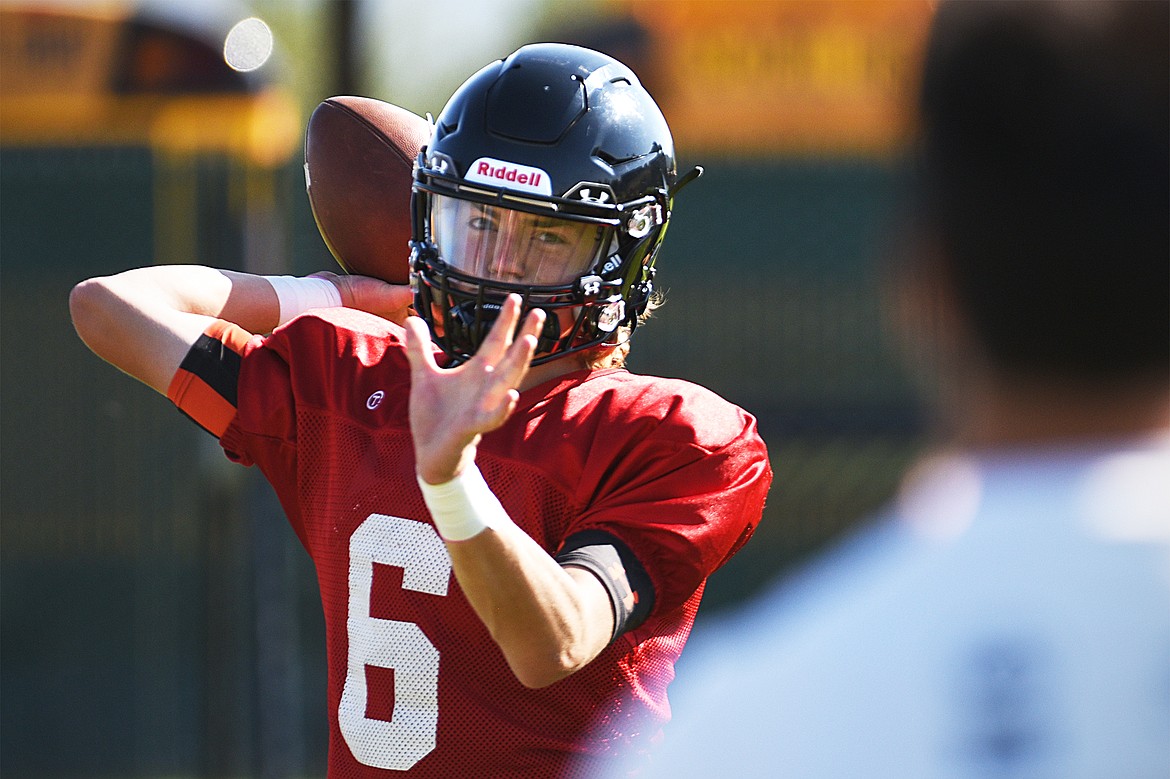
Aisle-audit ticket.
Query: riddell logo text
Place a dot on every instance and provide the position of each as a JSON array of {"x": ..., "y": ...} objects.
[{"x": 510, "y": 175}]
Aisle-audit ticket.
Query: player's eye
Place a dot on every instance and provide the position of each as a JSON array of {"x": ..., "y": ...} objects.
[
  {"x": 548, "y": 237},
  {"x": 481, "y": 223}
]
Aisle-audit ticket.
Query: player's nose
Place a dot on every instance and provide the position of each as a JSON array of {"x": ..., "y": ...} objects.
[{"x": 508, "y": 260}]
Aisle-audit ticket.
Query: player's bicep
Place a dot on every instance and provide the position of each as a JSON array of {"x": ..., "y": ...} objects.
[
  {"x": 127, "y": 326},
  {"x": 204, "y": 386},
  {"x": 596, "y": 609}
]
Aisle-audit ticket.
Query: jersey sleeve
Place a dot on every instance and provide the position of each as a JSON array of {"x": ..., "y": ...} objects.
[
  {"x": 689, "y": 496},
  {"x": 205, "y": 387}
]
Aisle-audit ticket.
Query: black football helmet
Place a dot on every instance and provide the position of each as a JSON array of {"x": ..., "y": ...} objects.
[{"x": 550, "y": 174}]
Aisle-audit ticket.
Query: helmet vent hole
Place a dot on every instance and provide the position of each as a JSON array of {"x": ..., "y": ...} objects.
[{"x": 610, "y": 159}]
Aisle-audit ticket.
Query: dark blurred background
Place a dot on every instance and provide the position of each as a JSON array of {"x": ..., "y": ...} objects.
[{"x": 151, "y": 594}]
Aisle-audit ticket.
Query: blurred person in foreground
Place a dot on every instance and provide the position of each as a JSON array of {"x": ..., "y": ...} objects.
[
  {"x": 511, "y": 531},
  {"x": 1009, "y": 613}
]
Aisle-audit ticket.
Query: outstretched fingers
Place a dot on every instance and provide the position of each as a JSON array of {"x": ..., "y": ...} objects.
[
  {"x": 480, "y": 394},
  {"x": 451, "y": 408}
]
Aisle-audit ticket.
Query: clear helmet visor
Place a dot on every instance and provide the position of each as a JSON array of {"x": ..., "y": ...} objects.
[{"x": 503, "y": 245}]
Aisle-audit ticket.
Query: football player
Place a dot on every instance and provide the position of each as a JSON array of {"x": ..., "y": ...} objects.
[{"x": 511, "y": 531}]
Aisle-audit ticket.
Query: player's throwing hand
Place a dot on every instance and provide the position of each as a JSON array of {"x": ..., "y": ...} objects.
[
  {"x": 451, "y": 408},
  {"x": 389, "y": 301}
]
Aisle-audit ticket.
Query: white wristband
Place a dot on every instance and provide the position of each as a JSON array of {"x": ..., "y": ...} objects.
[
  {"x": 298, "y": 295},
  {"x": 463, "y": 507}
]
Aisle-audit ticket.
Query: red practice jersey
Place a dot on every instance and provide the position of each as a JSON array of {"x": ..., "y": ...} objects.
[{"x": 417, "y": 687}]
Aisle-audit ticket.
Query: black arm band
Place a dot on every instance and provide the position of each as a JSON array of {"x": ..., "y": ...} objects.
[{"x": 624, "y": 578}]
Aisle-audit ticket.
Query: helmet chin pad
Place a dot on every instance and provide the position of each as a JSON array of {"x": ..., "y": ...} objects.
[{"x": 471, "y": 323}]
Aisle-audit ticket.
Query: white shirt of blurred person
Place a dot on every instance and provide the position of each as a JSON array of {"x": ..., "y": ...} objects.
[{"x": 1009, "y": 614}]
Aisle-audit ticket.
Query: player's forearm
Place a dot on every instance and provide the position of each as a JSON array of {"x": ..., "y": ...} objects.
[
  {"x": 548, "y": 621},
  {"x": 241, "y": 298}
]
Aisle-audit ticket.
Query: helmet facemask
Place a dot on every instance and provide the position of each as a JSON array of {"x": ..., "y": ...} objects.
[{"x": 588, "y": 265}]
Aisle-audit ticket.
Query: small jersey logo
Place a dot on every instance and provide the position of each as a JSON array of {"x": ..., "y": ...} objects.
[
  {"x": 511, "y": 175},
  {"x": 375, "y": 400}
]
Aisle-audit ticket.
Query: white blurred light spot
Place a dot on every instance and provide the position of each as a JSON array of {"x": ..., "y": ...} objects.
[
  {"x": 248, "y": 45},
  {"x": 940, "y": 497},
  {"x": 1126, "y": 497}
]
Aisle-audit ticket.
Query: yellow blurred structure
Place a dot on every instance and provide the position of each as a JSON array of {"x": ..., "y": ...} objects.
[
  {"x": 784, "y": 76},
  {"x": 104, "y": 77}
]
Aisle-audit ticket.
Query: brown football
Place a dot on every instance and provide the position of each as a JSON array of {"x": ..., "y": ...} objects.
[{"x": 359, "y": 162}]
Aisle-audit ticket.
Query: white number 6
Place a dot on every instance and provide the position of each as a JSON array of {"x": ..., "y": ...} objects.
[{"x": 416, "y": 548}]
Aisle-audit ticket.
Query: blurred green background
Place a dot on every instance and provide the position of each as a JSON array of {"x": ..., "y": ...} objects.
[{"x": 157, "y": 617}]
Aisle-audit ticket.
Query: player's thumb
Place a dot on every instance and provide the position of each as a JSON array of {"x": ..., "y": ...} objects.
[{"x": 394, "y": 302}]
